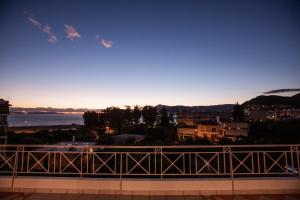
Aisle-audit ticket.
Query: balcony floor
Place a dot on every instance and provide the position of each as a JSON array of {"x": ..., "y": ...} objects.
[{"x": 52, "y": 196}]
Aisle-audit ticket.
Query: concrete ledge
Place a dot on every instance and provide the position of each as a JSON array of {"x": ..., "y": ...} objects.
[
  {"x": 151, "y": 186},
  {"x": 267, "y": 186}
]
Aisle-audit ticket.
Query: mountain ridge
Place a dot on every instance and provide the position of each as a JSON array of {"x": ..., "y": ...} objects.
[{"x": 269, "y": 100}]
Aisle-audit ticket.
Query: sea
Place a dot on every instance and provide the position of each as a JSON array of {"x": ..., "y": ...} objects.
[{"x": 17, "y": 120}]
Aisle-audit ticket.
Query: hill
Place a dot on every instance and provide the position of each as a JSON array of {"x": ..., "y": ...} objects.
[
  {"x": 271, "y": 100},
  {"x": 197, "y": 109}
]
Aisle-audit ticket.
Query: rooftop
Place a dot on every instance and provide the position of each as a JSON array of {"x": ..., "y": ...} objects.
[
  {"x": 209, "y": 123},
  {"x": 3, "y": 102}
]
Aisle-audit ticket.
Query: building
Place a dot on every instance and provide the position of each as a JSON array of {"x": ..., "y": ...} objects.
[
  {"x": 192, "y": 119},
  {"x": 210, "y": 130},
  {"x": 187, "y": 132},
  {"x": 186, "y": 121},
  {"x": 234, "y": 130},
  {"x": 214, "y": 130},
  {"x": 4, "y": 112}
]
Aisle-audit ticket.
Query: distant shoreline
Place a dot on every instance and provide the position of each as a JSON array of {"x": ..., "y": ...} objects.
[
  {"x": 34, "y": 129},
  {"x": 30, "y": 113},
  {"x": 45, "y": 126},
  {"x": 36, "y": 119},
  {"x": 44, "y": 113}
]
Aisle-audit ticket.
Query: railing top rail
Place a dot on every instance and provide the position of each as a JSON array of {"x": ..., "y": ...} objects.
[{"x": 150, "y": 147}]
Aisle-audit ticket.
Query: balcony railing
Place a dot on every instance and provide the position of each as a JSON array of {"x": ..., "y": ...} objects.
[{"x": 151, "y": 161}]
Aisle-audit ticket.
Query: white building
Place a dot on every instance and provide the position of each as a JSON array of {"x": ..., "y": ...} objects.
[
  {"x": 214, "y": 131},
  {"x": 210, "y": 130},
  {"x": 184, "y": 133},
  {"x": 233, "y": 130}
]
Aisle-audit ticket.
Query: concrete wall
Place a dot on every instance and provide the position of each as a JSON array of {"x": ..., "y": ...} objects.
[
  {"x": 186, "y": 132},
  {"x": 151, "y": 187}
]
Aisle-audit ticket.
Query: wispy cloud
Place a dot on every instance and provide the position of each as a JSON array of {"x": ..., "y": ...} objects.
[
  {"x": 45, "y": 28},
  {"x": 105, "y": 43},
  {"x": 71, "y": 32},
  {"x": 51, "y": 37},
  {"x": 282, "y": 90},
  {"x": 34, "y": 22}
]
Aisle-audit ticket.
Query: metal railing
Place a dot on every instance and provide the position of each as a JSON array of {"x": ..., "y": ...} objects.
[{"x": 151, "y": 161}]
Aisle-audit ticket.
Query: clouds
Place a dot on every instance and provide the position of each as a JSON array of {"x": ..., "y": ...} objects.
[
  {"x": 34, "y": 22},
  {"x": 282, "y": 90},
  {"x": 71, "y": 32},
  {"x": 47, "y": 29},
  {"x": 105, "y": 43},
  {"x": 51, "y": 37},
  {"x": 44, "y": 28}
]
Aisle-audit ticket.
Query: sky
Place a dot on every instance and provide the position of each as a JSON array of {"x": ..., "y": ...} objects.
[{"x": 94, "y": 54}]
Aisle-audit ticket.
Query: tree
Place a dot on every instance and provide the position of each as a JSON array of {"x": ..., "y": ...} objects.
[
  {"x": 115, "y": 117},
  {"x": 105, "y": 139},
  {"x": 172, "y": 119},
  {"x": 128, "y": 118},
  {"x": 90, "y": 119},
  {"x": 102, "y": 120},
  {"x": 136, "y": 114},
  {"x": 149, "y": 114},
  {"x": 238, "y": 113},
  {"x": 225, "y": 141},
  {"x": 203, "y": 141},
  {"x": 160, "y": 136},
  {"x": 164, "y": 119}
]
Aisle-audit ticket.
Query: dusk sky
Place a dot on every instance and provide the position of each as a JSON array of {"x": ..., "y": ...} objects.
[{"x": 94, "y": 54}]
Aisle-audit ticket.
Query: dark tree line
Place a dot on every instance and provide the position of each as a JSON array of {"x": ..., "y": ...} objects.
[
  {"x": 118, "y": 118},
  {"x": 157, "y": 126}
]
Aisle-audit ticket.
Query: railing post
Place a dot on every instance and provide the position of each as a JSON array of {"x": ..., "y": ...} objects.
[
  {"x": 54, "y": 162},
  {"x": 161, "y": 164},
  {"x": 298, "y": 162},
  {"x": 15, "y": 166},
  {"x": 87, "y": 160},
  {"x": 81, "y": 160},
  {"x": 258, "y": 162},
  {"x": 224, "y": 161},
  {"x": 121, "y": 170},
  {"x": 183, "y": 163},
  {"x": 155, "y": 161},
  {"x": 228, "y": 149},
  {"x": 22, "y": 160},
  {"x": 190, "y": 163}
]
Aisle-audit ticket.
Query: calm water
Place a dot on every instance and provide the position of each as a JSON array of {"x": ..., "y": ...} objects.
[{"x": 44, "y": 119}]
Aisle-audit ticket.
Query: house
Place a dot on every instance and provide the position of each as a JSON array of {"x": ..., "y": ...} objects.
[
  {"x": 186, "y": 132},
  {"x": 214, "y": 130},
  {"x": 4, "y": 112},
  {"x": 233, "y": 130},
  {"x": 210, "y": 130},
  {"x": 192, "y": 118}
]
